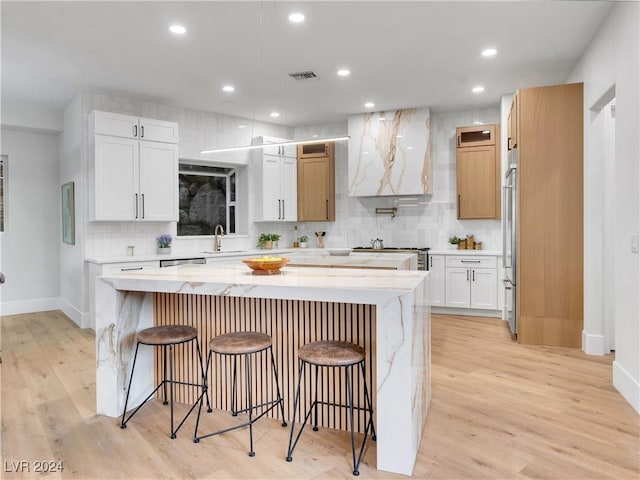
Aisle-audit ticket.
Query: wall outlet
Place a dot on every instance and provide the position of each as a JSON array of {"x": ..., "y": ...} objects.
[{"x": 634, "y": 243}]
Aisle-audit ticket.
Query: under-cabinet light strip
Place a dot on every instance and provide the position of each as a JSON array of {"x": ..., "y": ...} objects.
[{"x": 280, "y": 144}]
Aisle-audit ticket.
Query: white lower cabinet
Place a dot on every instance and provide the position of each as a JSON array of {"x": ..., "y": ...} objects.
[
  {"x": 467, "y": 281},
  {"x": 436, "y": 272}
]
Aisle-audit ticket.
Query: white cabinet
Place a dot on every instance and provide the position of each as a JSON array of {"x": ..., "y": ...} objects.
[
  {"x": 127, "y": 126},
  {"x": 471, "y": 282},
  {"x": 436, "y": 272},
  {"x": 133, "y": 180},
  {"x": 276, "y": 182}
]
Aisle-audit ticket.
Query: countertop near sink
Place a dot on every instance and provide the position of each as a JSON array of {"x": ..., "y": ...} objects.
[{"x": 177, "y": 256}]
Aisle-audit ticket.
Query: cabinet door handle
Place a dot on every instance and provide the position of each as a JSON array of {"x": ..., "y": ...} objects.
[
  {"x": 467, "y": 275},
  {"x": 509, "y": 143},
  {"x": 130, "y": 269},
  {"x": 279, "y": 210},
  {"x": 142, "y": 131},
  {"x": 473, "y": 275},
  {"x": 469, "y": 261},
  {"x": 431, "y": 262},
  {"x": 142, "y": 206},
  {"x": 326, "y": 150},
  {"x": 283, "y": 216},
  {"x": 135, "y": 131},
  {"x": 458, "y": 206},
  {"x": 136, "y": 205},
  {"x": 458, "y": 139},
  {"x": 327, "y": 208}
]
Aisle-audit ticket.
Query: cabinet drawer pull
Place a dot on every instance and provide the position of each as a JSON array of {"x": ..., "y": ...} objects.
[
  {"x": 469, "y": 261},
  {"x": 130, "y": 269}
]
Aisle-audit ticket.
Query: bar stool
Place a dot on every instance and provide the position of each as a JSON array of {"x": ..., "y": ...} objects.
[
  {"x": 333, "y": 354},
  {"x": 236, "y": 344},
  {"x": 166, "y": 336}
]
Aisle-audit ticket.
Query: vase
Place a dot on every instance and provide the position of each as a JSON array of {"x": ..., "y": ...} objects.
[
  {"x": 303, "y": 244},
  {"x": 164, "y": 250},
  {"x": 268, "y": 245}
]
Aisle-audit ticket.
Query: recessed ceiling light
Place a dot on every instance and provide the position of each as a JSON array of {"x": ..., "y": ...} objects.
[
  {"x": 177, "y": 29},
  {"x": 489, "y": 52},
  {"x": 478, "y": 89},
  {"x": 369, "y": 105},
  {"x": 399, "y": 136},
  {"x": 409, "y": 148},
  {"x": 241, "y": 126},
  {"x": 228, "y": 88},
  {"x": 314, "y": 136},
  {"x": 296, "y": 17},
  {"x": 274, "y": 114},
  {"x": 477, "y": 123},
  {"x": 343, "y": 72}
]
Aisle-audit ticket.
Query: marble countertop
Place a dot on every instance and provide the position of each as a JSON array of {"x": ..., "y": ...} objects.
[
  {"x": 455, "y": 251},
  {"x": 175, "y": 256},
  {"x": 238, "y": 280},
  {"x": 355, "y": 259}
]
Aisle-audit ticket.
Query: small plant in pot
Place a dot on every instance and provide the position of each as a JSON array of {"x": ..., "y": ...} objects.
[
  {"x": 164, "y": 243},
  {"x": 265, "y": 240},
  {"x": 303, "y": 241},
  {"x": 454, "y": 241}
]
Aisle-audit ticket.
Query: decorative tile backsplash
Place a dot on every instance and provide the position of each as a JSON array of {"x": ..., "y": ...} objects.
[{"x": 390, "y": 153}]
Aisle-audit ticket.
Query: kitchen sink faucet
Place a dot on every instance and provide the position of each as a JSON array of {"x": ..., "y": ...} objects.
[{"x": 217, "y": 242}]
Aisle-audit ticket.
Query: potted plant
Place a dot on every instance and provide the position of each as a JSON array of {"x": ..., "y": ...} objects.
[
  {"x": 265, "y": 240},
  {"x": 303, "y": 241},
  {"x": 164, "y": 243},
  {"x": 454, "y": 241}
]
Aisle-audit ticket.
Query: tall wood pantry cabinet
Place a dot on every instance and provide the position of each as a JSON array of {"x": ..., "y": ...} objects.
[
  {"x": 478, "y": 172},
  {"x": 549, "y": 203},
  {"x": 134, "y": 168},
  {"x": 316, "y": 182}
]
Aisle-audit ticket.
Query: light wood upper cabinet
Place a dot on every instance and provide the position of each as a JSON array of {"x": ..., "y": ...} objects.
[
  {"x": 512, "y": 124},
  {"x": 478, "y": 172},
  {"x": 316, "y": 182}
]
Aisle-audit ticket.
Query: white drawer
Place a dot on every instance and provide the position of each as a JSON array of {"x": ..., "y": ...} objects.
[
  {"x": 471, "y": 261},
  {"x": 114, "y": 268}
]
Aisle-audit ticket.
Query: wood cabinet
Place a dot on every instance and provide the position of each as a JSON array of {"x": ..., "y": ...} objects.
[
  {"x": 437, "y": 280},
  {"x": 512, "y": 124},
  {"x": 132, "y": 180},
  {"x": 276, "y": 183},
  {"x": 549, "y": 230},
  {"x": 316, "y": 182},
  {"x": 478, "y": 172},
  {"x": 471, "y": 282}
]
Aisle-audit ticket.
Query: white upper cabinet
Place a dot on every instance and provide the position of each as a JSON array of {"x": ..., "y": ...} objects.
[
  {"x": 133, "y": 180},
  {"x": 276, "y": 182},
  {"x": 127, "y": 126},
  {"x": 390, "y": 153}
]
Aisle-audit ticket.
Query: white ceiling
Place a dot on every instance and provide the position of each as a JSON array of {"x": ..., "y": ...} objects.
[{"x": 401, "y": 54}]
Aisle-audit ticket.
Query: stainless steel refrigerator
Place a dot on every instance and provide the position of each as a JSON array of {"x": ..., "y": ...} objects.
[{"x": 509, "y": 241}]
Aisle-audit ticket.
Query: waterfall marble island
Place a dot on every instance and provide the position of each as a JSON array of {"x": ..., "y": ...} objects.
[{"x": 385, "y": 311}]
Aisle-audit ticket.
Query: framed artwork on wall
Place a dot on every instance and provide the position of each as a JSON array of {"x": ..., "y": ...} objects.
[{"x": 68, "y": 214}]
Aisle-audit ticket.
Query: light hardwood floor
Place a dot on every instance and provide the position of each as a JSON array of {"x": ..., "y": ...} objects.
[{"x": 499, "y": 410}]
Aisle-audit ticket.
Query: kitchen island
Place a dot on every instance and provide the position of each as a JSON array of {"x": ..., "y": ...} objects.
[{"x": 385, "y": 311}]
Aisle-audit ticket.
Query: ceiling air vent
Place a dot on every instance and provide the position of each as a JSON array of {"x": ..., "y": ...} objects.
[{"x": 303, "y": 75}]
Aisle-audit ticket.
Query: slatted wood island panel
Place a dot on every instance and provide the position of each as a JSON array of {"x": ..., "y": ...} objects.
[{"x": 291, "y": 324}]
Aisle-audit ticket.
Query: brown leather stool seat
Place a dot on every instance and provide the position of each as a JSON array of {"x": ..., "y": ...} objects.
[
  {"x": 167, "y": 336},
  {"x": 333, "y": 354},
  {"x": 236, "y": 345}
]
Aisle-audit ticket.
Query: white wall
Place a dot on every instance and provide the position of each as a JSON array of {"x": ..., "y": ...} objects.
[
  {"x": 612, "y": 60},
  {"x": 31, "y": 116},
  {"x": 29, "y": 253}
]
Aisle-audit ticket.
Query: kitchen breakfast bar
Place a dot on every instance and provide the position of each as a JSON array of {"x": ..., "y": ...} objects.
[{"x": 386, "y": 312}]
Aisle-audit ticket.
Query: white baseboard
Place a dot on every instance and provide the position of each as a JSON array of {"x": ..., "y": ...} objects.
[
  {"x": 30, "y": 306},
  {"x": 471, "y": 312},
  {"x": 628, "y": 386},
  {"x": 593, "y": 344},
  {"x": 73, "y": 313}
]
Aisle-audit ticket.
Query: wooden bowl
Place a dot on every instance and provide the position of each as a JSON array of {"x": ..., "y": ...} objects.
[{"x": 266, "y": 265}]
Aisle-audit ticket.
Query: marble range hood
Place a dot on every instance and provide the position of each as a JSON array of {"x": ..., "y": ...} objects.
[{"x": 390, "y": 153}]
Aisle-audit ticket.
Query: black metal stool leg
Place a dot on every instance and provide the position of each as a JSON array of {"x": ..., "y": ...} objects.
[
  {"x": 280, "y": 398},
  {"x": 164, "y": 375},
  {"x": 349, "y": 373},
  {"x": 234, "y": 391},
  {"x": 126, "y": 401},
  {"x": 195, "y": 433},
  {"x": 249, "y": 402},
  {"x": 171, "y": 388},
  {"x": 205, "y": 386},
  {"x": 296, "y": 402},
  {"x": 315, "y": 403}
]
